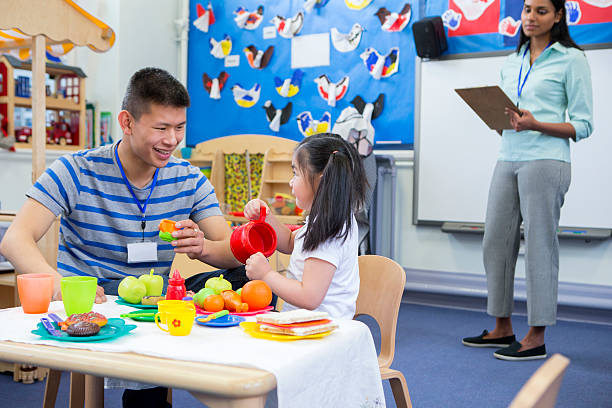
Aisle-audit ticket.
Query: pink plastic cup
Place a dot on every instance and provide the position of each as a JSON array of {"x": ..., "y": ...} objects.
[{"x": 35, "y": 292}]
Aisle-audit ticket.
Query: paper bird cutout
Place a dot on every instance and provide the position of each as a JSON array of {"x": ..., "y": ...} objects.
[
  {"x": 332, "y": 92},
  {"x": 355, "y": 123},
  {"x": 220, "y": 49},
  {"x": 258, "y": 59},
  {"x": 290, "y": 86},
  {"x": 246, "y": 98},
  {"x": 214, "y": 85},
  {"x": 205, "y": 19},
  {"x": 246, "y": 20},
  {"x": 277, "y": 117},
  {"x": 347, "y": 42},
  {"x": 377, "y": 106},
  {"x": 379, "y": 66},
  {"x": 310, "y": 4},
  {"x": 394, "y": 22},
  {"x": 308, "y": 126},
  {"x": 288, "y": 27},
  {"x": 357, "y": 4}
]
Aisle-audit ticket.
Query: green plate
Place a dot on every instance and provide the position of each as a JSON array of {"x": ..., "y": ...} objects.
[
  {"x": 141, "y": 318},
  {"x": 113, "y": 329},
  {"x": 136, "y": 305}
]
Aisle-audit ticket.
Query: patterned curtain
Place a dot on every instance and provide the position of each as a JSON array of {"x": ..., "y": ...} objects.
[{"x": 237, "y": 179}]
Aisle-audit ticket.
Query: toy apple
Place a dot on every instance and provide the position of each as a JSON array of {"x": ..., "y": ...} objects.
[
  {"x": 132, "y": 290},
  {"x": 202, "y": 294},
  {"x": 153, "y": 283},
  {"x": 218, "y": 284}
]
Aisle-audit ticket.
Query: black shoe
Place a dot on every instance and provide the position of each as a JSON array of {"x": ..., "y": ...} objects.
[
  {"x": 512, "y": 353},
  {"x": 480, "y": 341}
]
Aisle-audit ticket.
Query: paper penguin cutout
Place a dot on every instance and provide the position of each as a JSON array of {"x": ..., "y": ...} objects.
[
  {"x": 205, "y": 19},
  {"x": 355, "y": 123},
  {"x": 379, "y": 66},
  {"x": 310, "y": 4},
  {"x": 220, "y": 49},
  {"x": 357, "y": 4},
  {"x": 288, "y": 27},
  {"x": 277, "y": 117},
  {"x": 248, "y": 20},
  {"x": 308, "y": 126},
  {"x": 258, "y": 59},
  {"x": 347, "y": 42},
  {"x": 330, "y": 91},
  {"x": 246, "y": 98},
  {"x": 290, "y": 86},
  {"x": 394, "y": 22},
  {"x": 214, "y": 85}
]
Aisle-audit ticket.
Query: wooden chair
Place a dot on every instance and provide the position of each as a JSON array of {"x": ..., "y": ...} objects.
[
  {"x": 380, "y": 293},
  {"x": 542, "y": 388}
]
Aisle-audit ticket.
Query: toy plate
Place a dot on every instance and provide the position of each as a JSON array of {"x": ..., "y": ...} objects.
[
  {"x": 249, "y": 313},
  {"x": 140, "y": 318},
  {"x": 113, "y": 329},
  {"x": 223, "y": 321},
  {"x": 252, "y": 329},
  {"x": 136, "y": 305}
]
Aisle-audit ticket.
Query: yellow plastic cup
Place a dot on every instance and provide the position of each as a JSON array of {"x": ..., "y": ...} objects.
[
  {"x": 35, "y": 292},
  {"x": 178, "y": 321},
  {"x": 78, "y": 293},
  {"x": 164, "y": 306}
]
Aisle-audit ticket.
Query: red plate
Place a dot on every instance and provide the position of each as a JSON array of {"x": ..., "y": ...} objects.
[{"x": 249, "y": 313}]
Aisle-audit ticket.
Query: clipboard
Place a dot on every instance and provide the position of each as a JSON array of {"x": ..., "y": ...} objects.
[{"x": 489, "y": 102}]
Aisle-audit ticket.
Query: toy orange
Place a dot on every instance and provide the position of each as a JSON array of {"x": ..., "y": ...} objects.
[
  {"x": 257, "y": 294},
  {"x": 233, "y": 302},
  {"x": 166, "y": 228},
  {"x": 213, "y": 303}
]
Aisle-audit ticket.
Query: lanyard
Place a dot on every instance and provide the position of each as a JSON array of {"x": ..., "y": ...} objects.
[
  {"x": 519, "y": 86},
  {"x": 142, "y": 208}
]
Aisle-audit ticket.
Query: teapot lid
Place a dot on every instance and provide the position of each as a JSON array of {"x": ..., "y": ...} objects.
[{"x": 176, "y": 278}]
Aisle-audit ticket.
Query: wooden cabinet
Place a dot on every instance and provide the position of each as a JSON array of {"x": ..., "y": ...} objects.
[{"x": 67, "y": 128}]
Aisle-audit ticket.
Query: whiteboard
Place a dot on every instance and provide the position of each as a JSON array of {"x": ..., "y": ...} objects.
[{"x": 455, "y": 152}]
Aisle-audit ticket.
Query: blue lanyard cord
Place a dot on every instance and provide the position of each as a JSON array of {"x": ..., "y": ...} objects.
[
  {"x": 519, "y": 86},
  {"x": 142, "y": 208}
]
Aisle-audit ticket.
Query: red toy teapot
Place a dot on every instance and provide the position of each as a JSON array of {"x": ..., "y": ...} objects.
[{"x": 255, "y": 236}]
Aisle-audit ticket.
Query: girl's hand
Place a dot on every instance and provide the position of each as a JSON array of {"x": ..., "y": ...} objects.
[
  {"x": 524, "y": 122},
  {"x": 100, "y": 296},
  {"x": 190, "y": 240},
  {"x": 257, "y": 266},
  {"x": 252, "y": 209}
]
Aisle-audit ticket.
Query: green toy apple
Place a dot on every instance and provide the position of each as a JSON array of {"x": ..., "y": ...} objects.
[
  {"x": 153, "y": 283},
  {"x": 202, "y": 294},
  {"x": 132, "y": 290},
  {"x": 218, "y": 284}
]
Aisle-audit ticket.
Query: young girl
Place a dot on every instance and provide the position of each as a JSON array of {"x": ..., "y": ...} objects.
[
  {"x": 329, "y": 182},
  {"x": 548, "y": 76}
]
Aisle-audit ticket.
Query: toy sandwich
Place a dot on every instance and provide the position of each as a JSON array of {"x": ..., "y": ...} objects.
[{"x": 299, "y": 322}]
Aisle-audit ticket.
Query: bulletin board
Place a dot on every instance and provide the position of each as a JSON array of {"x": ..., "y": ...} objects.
[{"x": 211, "y": 118}]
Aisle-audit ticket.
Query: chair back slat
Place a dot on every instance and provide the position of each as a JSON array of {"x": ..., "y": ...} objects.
[{"x": 542, "y": 388}]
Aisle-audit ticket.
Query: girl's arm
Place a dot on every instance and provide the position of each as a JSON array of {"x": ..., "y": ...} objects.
[
  {"x": 308, "y": 293},
  {"x": 284, "y": 237}
]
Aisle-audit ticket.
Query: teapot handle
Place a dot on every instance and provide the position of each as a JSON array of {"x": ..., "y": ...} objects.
[{"x": 262, "y": 214}]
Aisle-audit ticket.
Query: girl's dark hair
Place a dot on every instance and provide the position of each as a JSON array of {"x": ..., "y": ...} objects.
[
  {"x": 558, "y": 33},
  {"x": 341, "y": 190}
]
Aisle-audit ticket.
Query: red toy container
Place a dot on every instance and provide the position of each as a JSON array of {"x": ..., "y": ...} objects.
[
  {"x": 176, "y": 287},
  {"x": 255, "y": 236}
]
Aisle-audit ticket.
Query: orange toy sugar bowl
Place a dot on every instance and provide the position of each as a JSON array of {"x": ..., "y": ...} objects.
[{"x": 257, "y": 294}]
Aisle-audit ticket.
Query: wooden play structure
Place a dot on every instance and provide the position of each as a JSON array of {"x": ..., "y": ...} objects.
[{"x": 30, "y": 28}]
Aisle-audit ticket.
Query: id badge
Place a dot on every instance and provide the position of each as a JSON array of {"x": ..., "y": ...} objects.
[{"x": 142, "y": 252}]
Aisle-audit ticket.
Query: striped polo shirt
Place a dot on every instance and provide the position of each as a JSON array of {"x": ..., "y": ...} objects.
[{"x": 99, "y": 216}]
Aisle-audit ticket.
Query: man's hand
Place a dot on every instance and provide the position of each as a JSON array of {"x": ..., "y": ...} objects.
[
  {"x": 190, "y": 240},
  {"x": 257, "y": 266},
  {"x": 100, "y": 296},
  {"x": 525, "y": 121}
]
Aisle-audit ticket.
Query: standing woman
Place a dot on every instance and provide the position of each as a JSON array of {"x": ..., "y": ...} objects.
[{"x": 548, "y": 76}]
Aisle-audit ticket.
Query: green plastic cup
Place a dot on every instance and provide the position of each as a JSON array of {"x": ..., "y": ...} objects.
[{"x": 78, "y": 293}]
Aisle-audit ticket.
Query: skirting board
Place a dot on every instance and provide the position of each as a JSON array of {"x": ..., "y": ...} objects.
[{"x": 579, "y": 302}]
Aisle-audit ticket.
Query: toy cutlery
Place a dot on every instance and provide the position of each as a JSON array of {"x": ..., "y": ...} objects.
[
  {"x": 49, "y": 326},
  {"x": 143, "y": 314},
  {"x": 214, "y": 316},
  {"x": 55, "y": 318}
]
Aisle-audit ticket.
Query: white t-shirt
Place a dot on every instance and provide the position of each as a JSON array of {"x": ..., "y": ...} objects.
[{"x": 341, "y": 296}]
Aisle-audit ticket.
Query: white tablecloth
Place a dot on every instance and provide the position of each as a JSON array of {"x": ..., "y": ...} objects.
[{"x": 340, "y": 370}]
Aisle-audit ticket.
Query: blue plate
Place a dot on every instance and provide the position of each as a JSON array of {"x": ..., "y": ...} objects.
[
  {"x": 111, "y": 330},
  {"x": 224, "y": 321}
]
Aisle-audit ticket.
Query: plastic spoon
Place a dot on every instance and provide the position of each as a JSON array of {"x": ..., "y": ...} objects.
[{"x": 214, "y": 316}]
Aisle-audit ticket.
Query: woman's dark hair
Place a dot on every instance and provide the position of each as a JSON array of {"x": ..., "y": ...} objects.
[
  {"x": 341, "y": 190},
  {"x": 153, "y": 85},
  {"x": 558, "y": 33}
]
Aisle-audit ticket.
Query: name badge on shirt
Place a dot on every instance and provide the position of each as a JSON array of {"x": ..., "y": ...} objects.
[{"x": 142, "y": 252}]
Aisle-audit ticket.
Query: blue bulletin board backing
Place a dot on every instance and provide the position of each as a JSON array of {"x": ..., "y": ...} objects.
[
  {"x": 209, "y": 118},
  {"x": 471, "y": 27}
]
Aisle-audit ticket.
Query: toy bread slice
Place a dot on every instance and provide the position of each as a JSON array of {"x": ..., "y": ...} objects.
[
  {"x": 293, "y": 316},
  {"x": 299, "y": 331}
]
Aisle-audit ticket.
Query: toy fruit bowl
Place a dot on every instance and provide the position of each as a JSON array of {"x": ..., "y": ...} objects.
[{"x": 284, "y": 204}]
